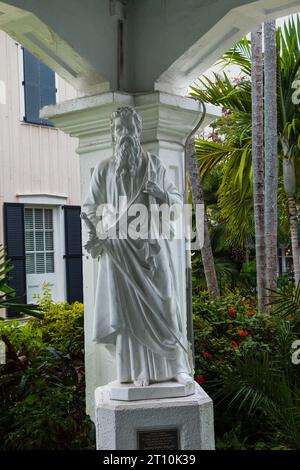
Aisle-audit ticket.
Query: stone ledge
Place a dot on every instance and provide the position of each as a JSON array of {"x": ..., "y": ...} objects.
[
  {"x": 104, "y": 401},
  {"x": 130, "y": 392}
]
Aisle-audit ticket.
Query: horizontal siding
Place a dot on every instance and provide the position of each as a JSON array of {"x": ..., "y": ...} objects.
[{"x": 33, "y": 159}]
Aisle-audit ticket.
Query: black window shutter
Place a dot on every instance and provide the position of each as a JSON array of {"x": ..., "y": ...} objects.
[
  {"x": 47, "y": 88},
  {"x": 39, "y": 88},
  {"x": 73, "y": 253},
  {"x": 14, "y": 239}
]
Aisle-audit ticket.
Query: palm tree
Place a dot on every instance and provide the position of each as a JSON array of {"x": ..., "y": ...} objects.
[
  {"x": 234, "y": 127},
  {"x": 258, "y": 163},
  {"x": 288, "y": 45},
  {"x": 271, "y": 158},
  {"x": 198, "y": 198},
  {"x": 231, "y": 154}
]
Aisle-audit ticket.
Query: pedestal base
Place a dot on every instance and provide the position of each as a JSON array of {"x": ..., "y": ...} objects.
[
  {"x": 184, "y": 423},
  {"x": 130, "y": 392}
]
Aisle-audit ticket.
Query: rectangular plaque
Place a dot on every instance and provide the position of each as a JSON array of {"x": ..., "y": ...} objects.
[{"x": 156, "y": 439}]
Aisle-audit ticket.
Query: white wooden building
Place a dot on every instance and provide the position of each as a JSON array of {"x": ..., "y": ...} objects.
[{"x": 39, "y": 176}]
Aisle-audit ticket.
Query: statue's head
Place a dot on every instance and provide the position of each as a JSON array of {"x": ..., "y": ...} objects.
[
  {"x": 126, "y": 127},
  {"x": 125, "y": 120}
]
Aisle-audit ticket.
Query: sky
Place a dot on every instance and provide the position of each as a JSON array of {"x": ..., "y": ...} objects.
[{"x": 233, "y": 70}]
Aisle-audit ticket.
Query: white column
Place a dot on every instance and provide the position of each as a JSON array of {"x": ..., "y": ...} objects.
[{"x": 167, "y": 120}]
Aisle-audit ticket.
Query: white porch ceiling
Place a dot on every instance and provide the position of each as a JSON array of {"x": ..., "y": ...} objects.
[{"x": 133, "y": 45}]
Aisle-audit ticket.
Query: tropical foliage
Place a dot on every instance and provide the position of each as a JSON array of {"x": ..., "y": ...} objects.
[
  {"x": 231, "y": 142},
  {"x": 244, "y": 361},
  {"x": 243, "y": 356},
  {"x": 42, "y": 387},
  {"x": 8, "y": 297}
]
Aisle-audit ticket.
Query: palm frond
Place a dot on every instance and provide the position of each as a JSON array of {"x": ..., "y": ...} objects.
[
  {"x": 8, "y": 297},
  {"x": 257, "y": 384},
  {"x": 239, "y": 55},
  {"x": 287, "y": 302}
]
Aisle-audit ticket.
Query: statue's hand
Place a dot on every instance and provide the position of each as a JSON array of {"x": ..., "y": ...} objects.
[
  {"x": 154, "y": 190},
  {"x": 94, "y": 246}
]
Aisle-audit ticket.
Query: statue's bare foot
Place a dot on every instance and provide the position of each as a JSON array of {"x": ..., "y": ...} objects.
[
  {"x": 144, "y": 382},
  {"x": 184, "y": 378}
]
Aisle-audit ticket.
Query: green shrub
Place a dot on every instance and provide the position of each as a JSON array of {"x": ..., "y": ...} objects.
[
  {"x": 223, "y": 329},
  {"x": 62, "y": 324},
  {"x": 42, "y": 387},
  {"x": 243, "y": 360}
]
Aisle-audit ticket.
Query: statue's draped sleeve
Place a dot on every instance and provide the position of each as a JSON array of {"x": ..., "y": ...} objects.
[
  {"x": 96, "y": 193},
  {"x": 172, "y": 194}
]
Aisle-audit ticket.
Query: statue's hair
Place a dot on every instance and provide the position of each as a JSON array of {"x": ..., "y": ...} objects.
[{"x": 125, "y": 111}]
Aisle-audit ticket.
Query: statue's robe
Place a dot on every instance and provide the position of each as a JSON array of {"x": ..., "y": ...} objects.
[{"x": 136, "y": 303}]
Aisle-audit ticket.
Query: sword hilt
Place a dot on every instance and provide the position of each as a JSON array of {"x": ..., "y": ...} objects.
[{"x": 88, "y": 223}]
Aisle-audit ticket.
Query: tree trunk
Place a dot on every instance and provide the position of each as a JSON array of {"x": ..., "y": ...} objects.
[
  {"x": 197, "y": 194},
  {"x": 289, "y": 184},
  {"x": 258, "y": 163},
  {"x": 294, "y": 237},
  {"x": 271, "y": 158}
]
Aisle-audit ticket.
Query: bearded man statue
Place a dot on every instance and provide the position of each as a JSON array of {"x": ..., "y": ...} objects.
[{"x": 136, "y": 303}]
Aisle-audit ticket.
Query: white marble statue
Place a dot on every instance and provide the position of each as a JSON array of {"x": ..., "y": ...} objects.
[{"x": 136, "y": 304}]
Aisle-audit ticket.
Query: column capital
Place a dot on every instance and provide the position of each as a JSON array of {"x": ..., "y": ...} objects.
[{"x": 166, "y": 117}]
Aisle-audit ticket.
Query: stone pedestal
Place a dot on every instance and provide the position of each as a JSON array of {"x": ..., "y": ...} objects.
[{"x": 184, "y": 423}]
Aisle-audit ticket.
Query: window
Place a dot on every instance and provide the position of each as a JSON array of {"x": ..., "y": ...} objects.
[
  {"x": 44, "y": 243},
  {"x": 39, "y": 88},
  {"x": 39, "y": 241}
]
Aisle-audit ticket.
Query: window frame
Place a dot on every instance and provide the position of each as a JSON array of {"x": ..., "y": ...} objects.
[
  {"x": 56, "y": 203},
  {"x": 44, "y": 231}
]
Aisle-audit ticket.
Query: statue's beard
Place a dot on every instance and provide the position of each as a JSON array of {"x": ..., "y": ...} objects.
[{"x": 127, "y": 154}]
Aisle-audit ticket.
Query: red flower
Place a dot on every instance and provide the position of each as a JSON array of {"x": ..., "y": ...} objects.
[
  {"x": 250, "y": 312},
  {"x": 243, "y": 333},
  {"x": 80, "y": 373},
  {"x": 234, "y": 344},
  {"x": 207, "y": 355},
  {"x": 200, "y": 379},
  {"x": 232, "y": 312}
]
